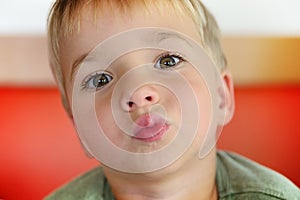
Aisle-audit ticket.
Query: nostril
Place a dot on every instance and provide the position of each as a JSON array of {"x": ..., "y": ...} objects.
[
  {"x": 148, "y": 98},
  {"x": 130, "y": 104}
]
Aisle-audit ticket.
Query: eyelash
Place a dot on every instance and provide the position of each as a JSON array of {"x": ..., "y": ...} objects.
[
  {"x": 88, "y": 85},
  {"x": 92, "y": 77},
  {"x": 179, "y": 58}
]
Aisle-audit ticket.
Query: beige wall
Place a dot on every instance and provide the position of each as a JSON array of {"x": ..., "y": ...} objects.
[
  {"x": 252, "y": 60},
  {"x": 256, "y": 60},
  {"x": 23, "y": 61}
]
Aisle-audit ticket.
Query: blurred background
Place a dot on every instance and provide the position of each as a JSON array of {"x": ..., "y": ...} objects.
[{"x": 39, "y": 148}]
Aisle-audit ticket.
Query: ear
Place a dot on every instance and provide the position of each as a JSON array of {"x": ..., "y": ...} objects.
[{"x": 228, "y": 102}]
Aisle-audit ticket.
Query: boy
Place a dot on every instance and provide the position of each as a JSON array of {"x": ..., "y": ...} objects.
[{"x": 146, "y": 85}]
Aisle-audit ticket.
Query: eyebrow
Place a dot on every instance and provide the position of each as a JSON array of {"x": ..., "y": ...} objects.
[
  {"x": 163, "y": 36},
  {"x": 160, "y": 36},
  {"x": 76, "y": 63}
]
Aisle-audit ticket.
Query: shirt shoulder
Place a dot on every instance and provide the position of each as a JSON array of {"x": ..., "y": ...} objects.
[
  {"x": 91, "y": 185},
  {"x": 241, "y": 178}
]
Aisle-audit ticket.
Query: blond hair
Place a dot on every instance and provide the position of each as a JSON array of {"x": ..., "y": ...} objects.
[{"x": 64, "y": 20}]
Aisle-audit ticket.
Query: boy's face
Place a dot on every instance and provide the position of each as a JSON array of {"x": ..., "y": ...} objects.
[{"x": 155, "y": 110}]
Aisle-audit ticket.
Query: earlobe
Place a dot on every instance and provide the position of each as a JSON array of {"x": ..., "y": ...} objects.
[{"x": 228, "y": 102}]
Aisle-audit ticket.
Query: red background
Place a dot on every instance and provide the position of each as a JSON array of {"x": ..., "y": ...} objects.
[{"x": 40, "y": 151}]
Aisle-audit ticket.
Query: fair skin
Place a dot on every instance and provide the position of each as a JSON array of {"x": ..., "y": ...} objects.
[{"x": 187, "y": 178}]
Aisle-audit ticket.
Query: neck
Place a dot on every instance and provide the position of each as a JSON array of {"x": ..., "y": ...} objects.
[{"x": 194, "y": 180}]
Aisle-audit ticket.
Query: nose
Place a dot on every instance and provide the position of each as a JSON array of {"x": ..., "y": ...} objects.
[{"x": 144, "y": 96}]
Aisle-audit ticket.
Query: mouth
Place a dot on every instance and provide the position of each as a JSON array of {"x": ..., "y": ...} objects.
[{"x": 150, "y": 128}]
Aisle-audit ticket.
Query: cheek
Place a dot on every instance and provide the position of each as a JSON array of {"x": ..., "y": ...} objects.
[
  {"x": 171, "y": 105},
  {"x": 105, "y": 118},
  {"x": 204, "y": 103},
  {"x": 103, "y": 113},
  {"x": 173, "y": 109}
]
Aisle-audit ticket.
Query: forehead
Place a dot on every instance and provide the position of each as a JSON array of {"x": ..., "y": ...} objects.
[{"x": 96, "y": 27}]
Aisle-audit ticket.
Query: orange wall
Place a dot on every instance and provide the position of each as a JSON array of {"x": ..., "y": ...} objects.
[
  {"x": 252, "y": 60},
  {"x": 260, "y": 60}
]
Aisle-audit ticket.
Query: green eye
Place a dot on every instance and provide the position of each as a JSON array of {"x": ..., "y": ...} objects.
[
  {"x": 168, "y": 61},
  {"x": 97, "y": 81}
]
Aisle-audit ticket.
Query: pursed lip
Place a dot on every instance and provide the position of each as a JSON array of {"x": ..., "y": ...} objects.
[{"x": 150, "y": 127}]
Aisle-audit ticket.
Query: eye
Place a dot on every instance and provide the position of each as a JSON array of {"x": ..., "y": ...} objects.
[
  {"x": 97, "y": 81},
  {"x": 168, "y": 60}
]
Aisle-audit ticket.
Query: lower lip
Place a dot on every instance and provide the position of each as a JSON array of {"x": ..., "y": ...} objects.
[{"x": 159, "y": 132}]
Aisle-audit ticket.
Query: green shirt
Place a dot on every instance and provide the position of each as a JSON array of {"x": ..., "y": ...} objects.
[{"x": 237, "y": 178}]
